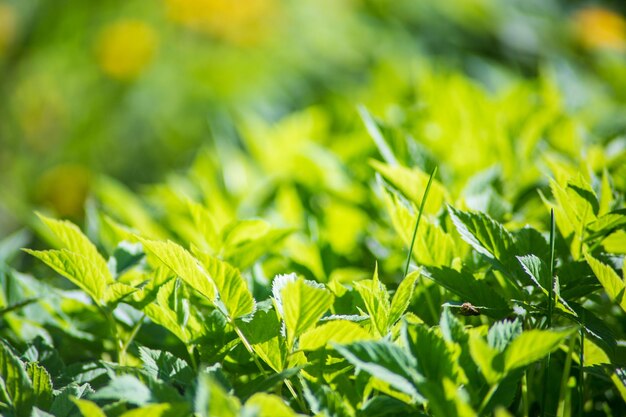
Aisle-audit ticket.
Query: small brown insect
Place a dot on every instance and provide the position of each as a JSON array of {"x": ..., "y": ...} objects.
[{"x": 467, "y": 309}]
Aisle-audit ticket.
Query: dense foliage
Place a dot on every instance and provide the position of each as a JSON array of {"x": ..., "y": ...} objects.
[{"x": 401, "y": 233}]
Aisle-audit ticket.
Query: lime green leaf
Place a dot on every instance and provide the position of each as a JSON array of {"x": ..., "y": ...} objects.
[
  {"x": 411, "y": 183},
  {"x": 336, "y": 331},
  {"x": 612, "y": 283},
  {"x": 269, "y": 405},
  {"x": 42, "y": 385},
  {"x": 533, "y": 345},
  {"x": 159, "y": 410},
  {"x": 77, "y": 268},
  {"x": 485, "y": 357},
  {"x": 385, "y": 361},
  {"x": 183, "y": 264},
  {"x": 376, "y": 134},
  {"x": 273, "y": 352},
  {"x": 14, "y": 382},
  {"x": 88, "y": 408},
  {"x": 376, "y": 299},
  {"x": 212, "y": 401},
  {"x": 116, "y": 292},
  {"x": 402, "y": 297},
  {"x": 232, "y": 288},
  {"x": 208, "y": 235},
  {"x": 177, "y": 316},
  {"x": 75, "y": 241},
  {"x": 484, "y": 234},
  {"x": 303, "y": 304},
  {"x": 125, "y": 388},
  {"x": 433, "y": 246}
]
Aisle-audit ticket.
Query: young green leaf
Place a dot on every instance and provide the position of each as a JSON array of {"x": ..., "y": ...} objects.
[
  {"x": 269, "y": 405},
  {"x": 533, "y": 345},
  {"x": 232, "y": 288},
  {"x": 484, "y": 234},
  {"x": 612, "y": 283},
  {"x": 336, "y": 331},
  {"x": 402, "y": 298},
  {"x": 14, "y": 383},
  {"x": 376, "y": 299},
  {"x": 303, "y": 304},
  {"x": 88, "y": 408},
  {"x": 77, "y": 268},
  {"x": 75, "y": 241},
  {"x": 183, "y": 264},
  {"x": 387, "y": 362},
  {"x": 42, "y": 385}
]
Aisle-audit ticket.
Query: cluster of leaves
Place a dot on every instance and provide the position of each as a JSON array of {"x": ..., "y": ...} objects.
[{"x": 183, "y": 301}]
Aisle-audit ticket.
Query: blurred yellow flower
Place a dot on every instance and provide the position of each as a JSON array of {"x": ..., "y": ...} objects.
[
  {"x": 240, "y": 22},
  {"x": 8, "y": 25},
  {"x": 599, "y": 28},
  {"x": 125, "y": 48}
]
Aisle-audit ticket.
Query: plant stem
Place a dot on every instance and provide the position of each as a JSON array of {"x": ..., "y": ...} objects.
[
  {"x": 419, "y": 217},
  {"x": 487, "y": 398},
  {"x": 248, "y": 347},
  {"x": 581, "y": 371},
  {"x": 551, "y": 295},
  {"x": 565, "y": 377},
  {"x": 132, "y": 336}
]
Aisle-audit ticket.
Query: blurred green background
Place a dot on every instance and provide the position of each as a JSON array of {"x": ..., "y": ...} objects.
[{"x": 134, "y": 90}]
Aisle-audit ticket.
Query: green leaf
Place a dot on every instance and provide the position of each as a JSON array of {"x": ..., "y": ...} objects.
[
  {"x": 502, "y": 333},
  {"x": 434, "y": 360},
  {"x": 42, "y": 385},
  {"x": 77, "y": 268},
  {"x": 477, "y": 292},
  {"x": 15, "y": 385},
  {"x": 164, "y": 366},
  {"x": 176, "y": 315},
  {"x": 377, "y": 136},
  {"x": 303, "y": 304},
  {"x": 159, "y": 410},
  {"x": 387, "y": 362},
  {"x": 485, "y": 357},
  {"x": 125, "y": 388},
  {"x": 269, "y": 405},
  {"x": 533, "y": 345},
  {"x": 484, "y": 234},
  {"x": 402, "y": 297},
  {"x": 231, "y": 286},
  {"x": 336, "y": 331},
  {"x": 612, "y": 283},
  {"x": 183, "y": 264},
  {"x": 411, "y": 183},
  {"x": 88, "y": 408},
  {"x": 75, "y": 241},
  {"x": 376, "y": 299},
  {"x": 212, "y": 401}
]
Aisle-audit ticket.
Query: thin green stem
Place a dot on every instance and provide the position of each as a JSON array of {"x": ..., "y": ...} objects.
[
  {"x": 525, "y": 402},
  {"x": 544, "y": 401},
  {"x": 419, "y": 217},
  {"x": 487, "y": 398},
  {"x": 132, "y": 336},
  {"x": 565, "y": 377},
  {"x": 248, "y": 347},
  {"x": 581, "y": 370}
]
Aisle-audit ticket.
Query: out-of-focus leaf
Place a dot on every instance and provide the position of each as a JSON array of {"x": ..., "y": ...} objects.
[
  {"x": 336, "y": 331},
  {"x": 15, "y": 384}
]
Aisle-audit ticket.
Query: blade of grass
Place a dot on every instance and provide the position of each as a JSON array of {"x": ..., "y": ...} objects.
[
  {"x": 417, "y": 222},
  {"x": 581, "y": 370},
  {"x": 550, "y": 308}
]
